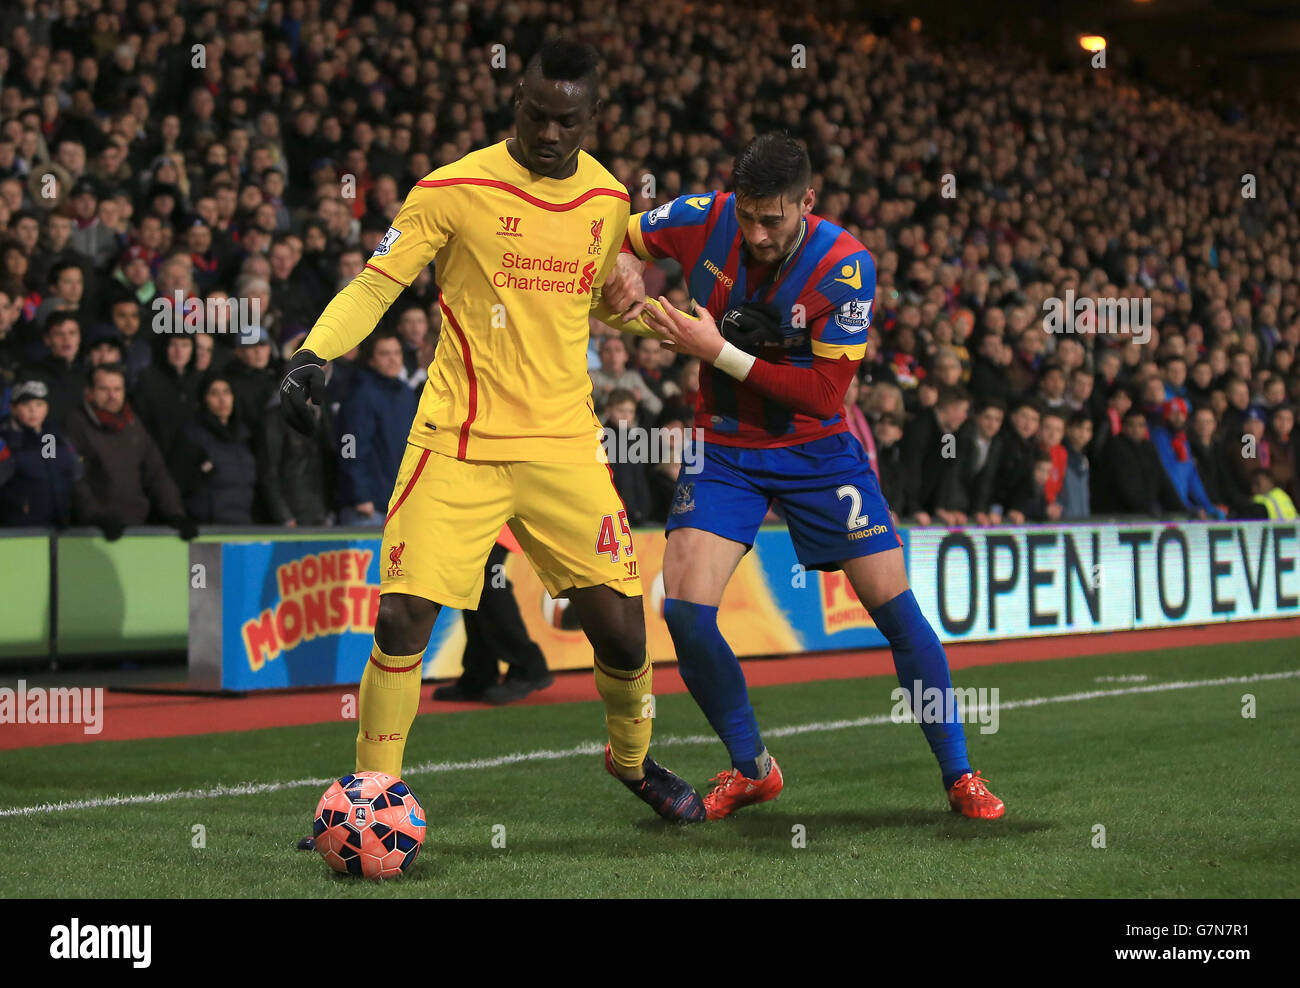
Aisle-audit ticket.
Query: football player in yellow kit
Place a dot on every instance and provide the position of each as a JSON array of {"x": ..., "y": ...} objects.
[{"x": 524, "y": 233}]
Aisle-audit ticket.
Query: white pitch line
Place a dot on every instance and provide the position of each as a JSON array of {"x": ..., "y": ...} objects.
[{"x": 591, "y": 748}]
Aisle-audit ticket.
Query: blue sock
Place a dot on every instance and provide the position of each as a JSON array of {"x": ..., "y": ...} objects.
[
  {"x": 918, "y": 655},
  {"x": 712, "y": 673}
]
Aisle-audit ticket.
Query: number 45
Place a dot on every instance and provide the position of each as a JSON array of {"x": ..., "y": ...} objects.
[{"x": 606, "y": 541}]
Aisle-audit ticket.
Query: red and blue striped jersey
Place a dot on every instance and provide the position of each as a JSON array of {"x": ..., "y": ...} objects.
[{"x": 823, "y": 289}]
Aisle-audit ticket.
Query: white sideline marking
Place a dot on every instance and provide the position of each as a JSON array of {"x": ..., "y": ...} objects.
[{"x": 591, "y": 748}]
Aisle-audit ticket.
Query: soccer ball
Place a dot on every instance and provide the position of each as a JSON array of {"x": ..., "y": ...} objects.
[{"x": 369, "y": 824}]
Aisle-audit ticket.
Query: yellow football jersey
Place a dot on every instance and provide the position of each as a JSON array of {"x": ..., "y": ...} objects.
[{"x": 520, "y": 258}]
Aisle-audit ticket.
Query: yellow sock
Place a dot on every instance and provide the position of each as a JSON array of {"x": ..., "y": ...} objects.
[
  {"x": 628, "y": 710},
  {"x": 390, "y": 695}
]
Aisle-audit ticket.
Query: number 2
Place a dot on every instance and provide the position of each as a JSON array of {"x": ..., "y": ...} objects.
[{"x": 856, "y": 518}]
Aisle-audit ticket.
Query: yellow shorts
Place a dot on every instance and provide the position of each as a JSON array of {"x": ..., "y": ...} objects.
[{"x": 445, "y": 515}]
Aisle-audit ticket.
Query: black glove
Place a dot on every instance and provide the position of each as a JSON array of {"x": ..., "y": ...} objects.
[
  {"x": 303, "y": 386},
  {"x": 185, "y": 526},
  {"x": 751, "y": 326},
  {"x": 110, "y": 526}
]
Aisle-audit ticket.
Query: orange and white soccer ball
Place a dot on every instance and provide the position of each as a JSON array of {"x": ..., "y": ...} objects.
[{"x": 369, "y": 824}]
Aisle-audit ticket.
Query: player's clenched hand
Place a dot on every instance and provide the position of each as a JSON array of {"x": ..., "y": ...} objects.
[
  {"x": 751, "y": 326},
  {"x": 624, "y": 289},
  {"x": 302, "y": 387},
  {"x": 696, "y": 335}
]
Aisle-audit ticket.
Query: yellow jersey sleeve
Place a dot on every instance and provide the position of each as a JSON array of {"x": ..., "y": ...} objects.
[
  {"x": 421, "y": 228},
  {"x": 352, "y": 314}
]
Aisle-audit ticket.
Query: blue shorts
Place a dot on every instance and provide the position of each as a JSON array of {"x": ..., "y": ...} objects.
[{"x": 826, "y": 488}]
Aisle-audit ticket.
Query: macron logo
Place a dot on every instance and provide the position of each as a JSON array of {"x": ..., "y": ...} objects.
[{"x": 75, "y": 942}]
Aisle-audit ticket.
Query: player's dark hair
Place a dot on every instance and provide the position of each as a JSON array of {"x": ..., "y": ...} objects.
[
  {"x": 572, "y": 61},
  {"x": 772, "y": 165}
]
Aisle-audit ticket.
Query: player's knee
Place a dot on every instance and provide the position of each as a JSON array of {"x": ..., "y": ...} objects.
[
  {"x": 686, "y": 620},
  {"x": 404, "y": 623}
]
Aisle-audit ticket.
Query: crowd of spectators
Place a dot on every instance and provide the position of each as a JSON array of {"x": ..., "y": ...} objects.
[{"x": 170, "y": 166}]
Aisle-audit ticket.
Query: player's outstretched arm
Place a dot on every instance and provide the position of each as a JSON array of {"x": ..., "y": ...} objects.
[
  {"x": 350, "y": 317},
  {"x": 816, "y": 390}
]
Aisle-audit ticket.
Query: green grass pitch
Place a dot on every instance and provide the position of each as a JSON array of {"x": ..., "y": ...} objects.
[{"x": 1195, "y": 799}]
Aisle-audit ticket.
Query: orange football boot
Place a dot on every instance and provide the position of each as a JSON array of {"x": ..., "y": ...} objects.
[
  {"x": 732, "y": 791},
  {"x": 970, "y": 797}
]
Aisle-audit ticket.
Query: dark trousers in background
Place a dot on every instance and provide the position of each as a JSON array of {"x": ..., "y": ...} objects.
[{"x": 496, "y": 632}]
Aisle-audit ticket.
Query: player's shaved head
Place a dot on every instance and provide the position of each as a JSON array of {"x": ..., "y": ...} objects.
[{"x": 555, "y": 105}]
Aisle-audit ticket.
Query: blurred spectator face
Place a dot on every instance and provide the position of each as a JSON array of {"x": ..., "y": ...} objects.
[
  {"x": 412, "y": 327},
  {"x": 1274, "y": 391},
  {"x": 1081, "y": 386},
  {"x": 621, "y": 413},
  {"x": 1153, "y": 391},
  {"x": 1176, "y": 419},
  {"x": 887, "y": 432},
  {"x": 647, "y": 354},
  {"x": 198, "y": 239},
  {"x": 613, "y": 356},
  {"x": 219, "y": 400},
  {"x": 1053, "y": 383},
  {"x": 351, "y": 263},
  {"x": 387, "y": 357},
  {"x": 1042, "y": 473},
  {"x": 255, "y": 355},
  {"x": 105, "y": 352},
  {"x": 1238, "y": 394},
  {"x": 1051, "y": 431},
  {"x": 64, "y": 339},
  {"x": 1239, "y": 364},
  {"x": 126, "y": 317},
  {"x": 989, "y": 422},
  {"x": 1108, "y": 365},
  {"x": 206, "y": 207},
  {"x": 1079, "y": 434},
  {"x": 137, "y": 272},
  {"x": 952, "y": 414},
  {"x": 70, "y": 286},
  {"x": 31, "y": 413},
  {"x": 60, "y": 229},
  {"x": 1025, "y": 421},
  {"x": 203, "y": 344},
  {"x": 151, "y": 232},
  {"x": 281, "y": 261},
  {"x": 1135, "y": 427},
  {"x": 947, "y": 370},
  {"x": 1218, "y": 402},
  {"x": 1202, "y": 375},
  {"x": 1283, "y": 422},
  {"x": 179, "y": 351},
  {"x": 1253, "y": 427},
  {"x": 107, "y": 392},
  {"x": 1204, "y": 423},
  {"x": 1176, "y": 373}
]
